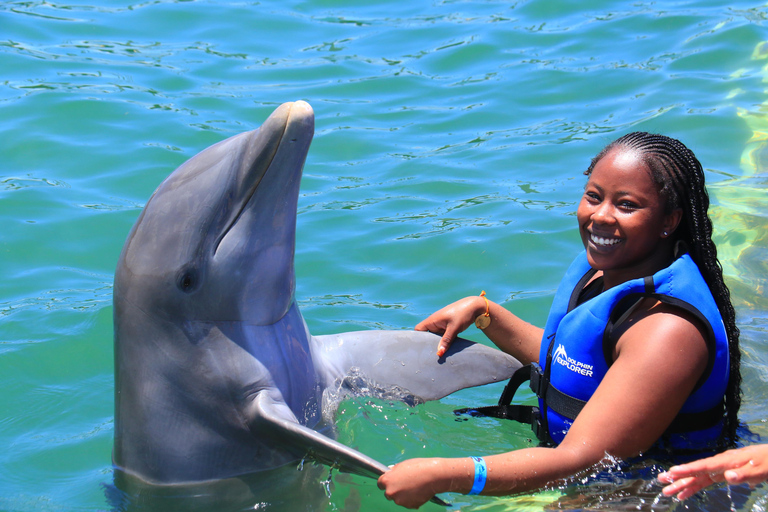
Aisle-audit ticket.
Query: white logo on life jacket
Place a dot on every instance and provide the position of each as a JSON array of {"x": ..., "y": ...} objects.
[{"x": 562, "y": 358}]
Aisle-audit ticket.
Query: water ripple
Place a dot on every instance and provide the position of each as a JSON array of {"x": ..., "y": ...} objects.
[{"x": 450, "y": 136}]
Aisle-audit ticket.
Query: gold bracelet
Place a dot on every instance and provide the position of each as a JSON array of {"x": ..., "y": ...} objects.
[{"x": 484, "y": 320}]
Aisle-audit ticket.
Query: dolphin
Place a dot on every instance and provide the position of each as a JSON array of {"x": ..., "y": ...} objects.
[{"x": 216, "y": 373}]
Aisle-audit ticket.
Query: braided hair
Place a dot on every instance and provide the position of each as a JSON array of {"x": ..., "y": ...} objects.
[{"x": 680, "y": 178}]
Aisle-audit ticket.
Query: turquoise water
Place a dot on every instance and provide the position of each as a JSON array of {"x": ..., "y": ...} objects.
[{"x": 450, "y": 141}]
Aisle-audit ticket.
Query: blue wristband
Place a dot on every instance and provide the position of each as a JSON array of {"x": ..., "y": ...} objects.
[{"x": 481, "y": 472}]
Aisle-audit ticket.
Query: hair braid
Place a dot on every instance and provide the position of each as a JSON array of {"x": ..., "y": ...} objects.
[{"x": 680, "y": 177}]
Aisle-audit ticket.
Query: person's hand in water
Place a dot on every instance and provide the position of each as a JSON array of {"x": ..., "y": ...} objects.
[{"x": 742, "y": 465}]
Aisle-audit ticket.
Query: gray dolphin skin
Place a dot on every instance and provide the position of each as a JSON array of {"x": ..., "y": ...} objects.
[{"x": 216, "y": 374}]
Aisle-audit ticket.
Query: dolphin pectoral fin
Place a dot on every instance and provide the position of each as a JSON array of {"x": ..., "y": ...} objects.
[
  {"x": 267, "y": 417},
  {"x": 276, "y": 421},
  {"x": 407, "y": 360}
]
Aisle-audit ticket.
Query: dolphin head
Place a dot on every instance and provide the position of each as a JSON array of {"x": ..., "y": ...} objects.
[{"x": 215, "y": 242}]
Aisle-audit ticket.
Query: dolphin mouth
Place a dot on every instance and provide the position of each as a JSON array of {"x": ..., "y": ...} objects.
[{"x": 281, "y": 143}]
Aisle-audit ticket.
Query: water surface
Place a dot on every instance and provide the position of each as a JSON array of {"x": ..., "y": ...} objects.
[{"x": 450, "y": 142}]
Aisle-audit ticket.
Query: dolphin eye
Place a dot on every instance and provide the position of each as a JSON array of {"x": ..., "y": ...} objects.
[{"x": 187, "y": 281}]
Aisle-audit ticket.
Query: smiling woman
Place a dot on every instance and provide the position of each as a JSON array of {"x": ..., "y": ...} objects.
[
  {"x": 644, "y": 303},
  {"x": 622, "y": 219}
]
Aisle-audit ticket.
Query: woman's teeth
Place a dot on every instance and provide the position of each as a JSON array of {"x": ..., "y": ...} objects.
[{"x": 598, "y": 240}]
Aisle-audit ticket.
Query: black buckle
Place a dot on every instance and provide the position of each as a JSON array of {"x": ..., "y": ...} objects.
[
  {"x": 538, "y": 381},
  {"x": 540, "y": 430},
  {"x": 536, "y": 423}
]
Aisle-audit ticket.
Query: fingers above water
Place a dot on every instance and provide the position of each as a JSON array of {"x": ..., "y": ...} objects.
[
  {"x": 452, "y": 320},
  {"x": 743, "y": 465}
]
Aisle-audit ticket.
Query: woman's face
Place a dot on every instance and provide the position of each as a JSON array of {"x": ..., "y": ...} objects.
[{"x": 622, "y": 219}]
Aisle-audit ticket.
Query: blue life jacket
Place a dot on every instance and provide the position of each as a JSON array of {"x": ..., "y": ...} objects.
[{"x": 577, "y": 348}]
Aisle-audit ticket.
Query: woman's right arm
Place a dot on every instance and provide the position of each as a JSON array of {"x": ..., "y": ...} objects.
[{"x": 510, "y": 333}]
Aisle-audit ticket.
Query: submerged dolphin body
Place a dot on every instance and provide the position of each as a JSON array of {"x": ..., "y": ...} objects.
[{"x": 216, "y": 374}]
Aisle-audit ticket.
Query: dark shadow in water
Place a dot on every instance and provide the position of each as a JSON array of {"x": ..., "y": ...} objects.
[
  {"x": 285, "y": 489},
  {"x": 633, "y": 486},
  {"x": 616, "y": 493},
  {"x": 645, "y": 495}
]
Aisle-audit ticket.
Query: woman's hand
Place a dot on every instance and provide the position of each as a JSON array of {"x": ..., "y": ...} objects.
[
  {"x": 413, "y": 482},
  {"x": 452, "y": 320},
  {"x": 743, "y": 465}
]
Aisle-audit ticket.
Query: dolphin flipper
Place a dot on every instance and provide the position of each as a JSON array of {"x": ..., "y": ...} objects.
[
  {"x": 407, "y": 361},
  {"x": 274, "y": 419}
]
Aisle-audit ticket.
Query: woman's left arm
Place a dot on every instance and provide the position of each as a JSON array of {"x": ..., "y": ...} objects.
[{"x": 658, "y": 360}]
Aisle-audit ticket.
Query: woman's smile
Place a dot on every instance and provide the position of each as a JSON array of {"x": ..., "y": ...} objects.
[{"x": 603, "y": 241}]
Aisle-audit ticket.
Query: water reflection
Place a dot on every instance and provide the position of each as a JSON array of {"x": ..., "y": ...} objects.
[
  {"x": 740, "y": 210},
  {"x": 286, "y": 489}
]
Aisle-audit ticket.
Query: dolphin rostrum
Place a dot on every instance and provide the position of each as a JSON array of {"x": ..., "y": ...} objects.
[{"x": 216, "y": 374}]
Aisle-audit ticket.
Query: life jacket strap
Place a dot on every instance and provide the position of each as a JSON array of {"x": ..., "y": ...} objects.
[
  {"x": 568, "y": 406},
  {"x": 553, "y": 398},
  {"x": 519, "y": 413},
  {"x": 692, "y": 421},
  {"x": 527, "y": 414}
]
